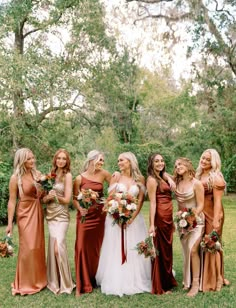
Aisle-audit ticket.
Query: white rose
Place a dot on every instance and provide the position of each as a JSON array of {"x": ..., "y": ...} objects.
[
  {"x": 43, "y": 178},
  {"x": 134, "y": 206},
  {"x": 9, "y": 248},
  {"x": 183, "y": 223},
  {"x": 184, "y": 214},
  {"x": 217, "y": 245},
  {"x": 80, "y": 196},
  {"x": 129, "y": 207},
  {"x": 114, "y": 204},
  {"x": 123, "y": 202}
]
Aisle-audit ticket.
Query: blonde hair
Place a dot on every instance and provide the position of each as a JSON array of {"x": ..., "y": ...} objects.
[
  {"x": 188, "y": 164},
  {"x": 20, "y": 158},
  {"x": 215, "y": 167},
  {"x": 134, "y": 168},
  {"x": 92, "y": 155}
]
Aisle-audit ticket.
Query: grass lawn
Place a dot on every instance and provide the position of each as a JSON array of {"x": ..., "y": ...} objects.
[{"x": 225, "y": 298}]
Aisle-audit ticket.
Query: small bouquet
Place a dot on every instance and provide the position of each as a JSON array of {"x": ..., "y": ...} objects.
[
  {"x": 186, "y": 221},
  {"x": 47, "y": 181},
  {"x": 6, "y": 247},
  {"x": 121, "y": 207},
  {"x": 147, "y": 248},
  {"x": 86, "y": 199},
  {"x": 211, "y": 242}
]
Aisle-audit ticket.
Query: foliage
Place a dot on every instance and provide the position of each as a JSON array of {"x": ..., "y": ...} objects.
[{"x": 5, "y": 173}]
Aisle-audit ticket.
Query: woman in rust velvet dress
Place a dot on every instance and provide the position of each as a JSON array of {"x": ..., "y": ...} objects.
[
  {"x": 30, "y": 275},
  {"x": 209, "y": 172},
  {"x": 89, "y": 234},
  {"x": 161, "y": 225}
]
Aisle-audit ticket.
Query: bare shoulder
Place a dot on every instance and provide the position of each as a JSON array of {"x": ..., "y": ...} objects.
[
  {"x": 198, "y": 184},
  {"x": 13, "y": 179},
  {"x": 219, "y": 180},
  {"x": 68, "y": 176},
  {"x": 151, "y": 181},
  {"x": 142, "y": 180},
  {"x": 106, "y": 173},
  {"x": 78, "y": 179}
]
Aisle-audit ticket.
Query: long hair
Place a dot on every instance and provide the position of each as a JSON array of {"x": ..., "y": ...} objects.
[
  {"x": 92, "y": 155},
  {"x": 66, "y": 168},
  {"x": 134, "y": 168},
  {"x": 215, "y": 167},
  {"x": 151, "y": 171},
  {"x": 188, "y": 164},
  {"x": 20, "y": 158}
]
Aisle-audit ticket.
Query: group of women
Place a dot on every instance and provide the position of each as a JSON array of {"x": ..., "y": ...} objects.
[{"x": 97, "y": 246}]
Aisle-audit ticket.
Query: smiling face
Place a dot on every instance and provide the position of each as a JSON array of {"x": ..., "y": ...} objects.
[
  {"x": 158, "y": 163},
  {"x": 30, "y": 161},
  {"x": 123, "y": 163},
  {"x": 61, "y": 160},
  {"x": 180, "y": 167},
  {"x": 99, "y": 163},
  {"x": 205, "y": 161}
]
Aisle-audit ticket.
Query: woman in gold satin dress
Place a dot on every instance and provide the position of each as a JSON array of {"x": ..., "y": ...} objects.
[
  {"x": 209, "y": 173},
  {"x": 30, "y": 275},
  {"x": 57, "y": 215},
  {"x": 190, "y": 194},
  {"x": 89, "y": 234}
]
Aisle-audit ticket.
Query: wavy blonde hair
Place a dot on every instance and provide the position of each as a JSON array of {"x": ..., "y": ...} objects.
[
  {"x": 20, "y": 158},
  {"x": 92, "y": 155},
  {"x": 215, "y": 167},
  {"x": 188, "y": 164},
  {"x": 134, "y": 168}
]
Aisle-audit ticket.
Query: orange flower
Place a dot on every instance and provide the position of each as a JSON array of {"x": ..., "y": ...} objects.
[{"x": 3, "y": 249}]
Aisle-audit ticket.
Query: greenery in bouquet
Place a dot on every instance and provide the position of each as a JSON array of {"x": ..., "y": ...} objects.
[
  {"x": 6, "y": 247},
  {"x": 185, "y": 221},
  {"x": 147, "y": 248},
  {"x": 86, "y": 199},
  {"x": 121, "y": 207},
  {"x": 211, "y": 242},
  {"x": 47, "y": 181}
]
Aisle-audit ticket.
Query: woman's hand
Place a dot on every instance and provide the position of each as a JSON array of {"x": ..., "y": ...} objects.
[
  {"x": 83, "y": 211},
  {"x": 52, "y": 195},
  {"x": 152, "y": 230},
  {"x": 9, "y": 229},
  {"x": 216, "y": 224}
]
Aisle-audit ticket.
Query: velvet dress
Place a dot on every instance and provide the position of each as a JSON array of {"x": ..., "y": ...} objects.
[
  {"x": 162, "y": 276},
  {"x": 30, "y": 275},
  {"x": 210, "y": 266},
  {"x": 89, "y": 237}
]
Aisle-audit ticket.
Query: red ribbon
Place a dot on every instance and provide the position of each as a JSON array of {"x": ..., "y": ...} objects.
[{"x": 123, "y": 253}]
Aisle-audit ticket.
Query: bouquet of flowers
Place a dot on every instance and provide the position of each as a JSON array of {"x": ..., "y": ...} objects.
[
  {"x": 86, "y": 199},
  {"x": 120, "y": 206},
  {"x": 6, "y": 247},
  {"x": 147, "y": 248},
  {"x": 211, "y": 242},
  {"x": 47, "y": 181},
  {"x": 186, "y": 221}
]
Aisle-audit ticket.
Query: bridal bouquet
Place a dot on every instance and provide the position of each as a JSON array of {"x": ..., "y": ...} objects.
[
  {"x": 6, "y": 247},
  {"x": 120, "y": 206},
  {"x": 211, "y": 242},
  {"x": 186, "y": 221},
  {"x": 86, "y": 199},
  {"x": 147, "y": 248}
]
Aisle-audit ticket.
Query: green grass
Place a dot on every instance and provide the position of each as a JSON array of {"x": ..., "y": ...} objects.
[{"x": 225, "y": 298}]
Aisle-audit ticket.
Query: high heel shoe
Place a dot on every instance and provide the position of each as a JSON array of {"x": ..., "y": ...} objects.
[{"x": 194, "y": 288}]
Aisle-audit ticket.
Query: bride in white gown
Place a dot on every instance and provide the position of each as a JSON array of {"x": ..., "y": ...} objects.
[{"x": 134, "y": 276}]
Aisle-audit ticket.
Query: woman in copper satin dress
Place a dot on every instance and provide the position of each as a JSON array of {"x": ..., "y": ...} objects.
[
  {"x": 161, "y": 225},
  {"x": 57, "y": 216},
  {"x": 209, "y": 172},
  {"x": 30, "y": 275},
  {"x": 89, "y": 234}
]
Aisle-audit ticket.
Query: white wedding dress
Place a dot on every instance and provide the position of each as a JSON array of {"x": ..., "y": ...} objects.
[{"x": 134, "y": 276}]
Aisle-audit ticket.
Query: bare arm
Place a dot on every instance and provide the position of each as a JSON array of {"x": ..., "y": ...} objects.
[
  {"x": 151, "y": 189},
  {"x": 140, "y": 202},
  {"x": 107, "y": 176},
  {"x": 76, "y": 191},
  {"x": 68, "y": 190},
  {"x": 217, "y": 194},
  {"x": 199, "y": 193},
  {"x": 13, "y": 192}
]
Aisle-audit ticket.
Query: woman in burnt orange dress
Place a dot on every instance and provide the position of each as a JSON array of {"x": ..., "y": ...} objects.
[
  {"x": 161, "y": 224},
  {"x": 30, "y": 275},
  {"x": 89, "y": 234},
  {"x": 209, "y": 173}
]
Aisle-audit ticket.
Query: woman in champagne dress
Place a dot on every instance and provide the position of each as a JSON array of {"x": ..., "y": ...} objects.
[
  {"x": 134, "y": 275},
  {"x": 57, "y": 215},
  {"x": 30, "y": 275},
  {"x": 161, "y": 225},
  {"x": 89, "y": 234},
  {"x": 190, "y": 195},
  {"x": 209, "y": 173}
]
